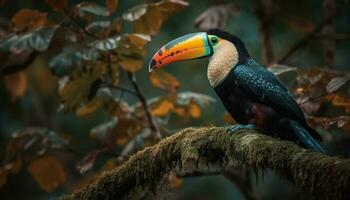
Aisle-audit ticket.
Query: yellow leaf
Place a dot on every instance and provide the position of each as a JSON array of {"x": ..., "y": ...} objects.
[
  {"x": 164, "y": 80},
  {"x": 27, "y": 19},
  {"x": 112, "y": 5},
  {"x": 162, "y": 108},
  {"x": 75, "y": 90},
  {"x": 89, "y": 107},
  {"x": 16, "y": 84},
  {"x": 48, "y": 172}
]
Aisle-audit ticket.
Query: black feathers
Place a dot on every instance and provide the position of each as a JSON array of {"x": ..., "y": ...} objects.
[{"x": 243, "y": 54}]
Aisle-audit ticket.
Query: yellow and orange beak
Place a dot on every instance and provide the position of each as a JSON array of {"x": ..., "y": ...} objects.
[{"x": 187, "y": 47}]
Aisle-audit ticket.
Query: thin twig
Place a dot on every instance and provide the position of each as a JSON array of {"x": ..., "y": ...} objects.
[
  {"x": 76, "y": 22},
  {"x": 143, "y": 101},
  {"x": 302, "y": 42},
  {"x": 119, "y": 88},
  {"x": 314, "y": 98}
]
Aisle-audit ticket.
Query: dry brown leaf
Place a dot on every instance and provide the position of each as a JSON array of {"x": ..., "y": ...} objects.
[
  {"x": 165, "y": 81},
  {"x": 154, "y": 14},
  {"x": 340, "y": 101},
  {"x": 57, "y": 5},
  {"x": 216, "y": 16},
  {"x": 126, "y": 129},
  {"x": 76, "y": 89},
  {"x": 48, "y": 172},
  {"x": 174, "y": 181},
  {"x": 16, "y": 84},
  {"x": 27, "y": 19},
  {"x": 112, "y": 5}
]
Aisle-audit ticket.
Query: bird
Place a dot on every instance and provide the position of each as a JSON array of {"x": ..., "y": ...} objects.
[{"x": 252, "y": 95}]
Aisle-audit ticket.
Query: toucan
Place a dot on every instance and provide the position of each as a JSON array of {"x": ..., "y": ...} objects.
[{"x": 254, "y": 96}]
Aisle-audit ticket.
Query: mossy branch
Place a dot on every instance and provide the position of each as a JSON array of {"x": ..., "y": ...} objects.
[{"x": 198, "y": 149}]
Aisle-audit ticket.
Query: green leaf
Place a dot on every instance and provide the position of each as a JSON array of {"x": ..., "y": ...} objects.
[{"x": 38, "y": 40}]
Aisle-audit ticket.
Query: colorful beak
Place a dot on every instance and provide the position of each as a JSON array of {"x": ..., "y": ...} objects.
[{"x": 187, "y": 47}]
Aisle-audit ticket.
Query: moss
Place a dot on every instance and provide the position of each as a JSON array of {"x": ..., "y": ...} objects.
[{"x": 199, "y": 149}]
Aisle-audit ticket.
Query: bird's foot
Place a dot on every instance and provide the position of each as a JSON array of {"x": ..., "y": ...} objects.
[{"x": 234, "y": 128}]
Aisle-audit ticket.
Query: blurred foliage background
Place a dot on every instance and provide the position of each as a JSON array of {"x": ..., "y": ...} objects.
[{"x": 77, "y": 98}]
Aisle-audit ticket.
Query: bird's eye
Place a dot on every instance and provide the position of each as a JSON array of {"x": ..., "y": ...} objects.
[{"x": 214, "y": 40}]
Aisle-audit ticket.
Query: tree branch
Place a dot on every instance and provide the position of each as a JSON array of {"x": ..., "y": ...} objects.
[
  {"x": 264, "y": 12},
  {"x": 143, "y": 101},
  {"x": 303, "y": 41},
  {"x": 199, "y": 149}
]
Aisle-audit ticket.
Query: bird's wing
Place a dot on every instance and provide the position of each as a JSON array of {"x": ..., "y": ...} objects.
[{"x": 263, "y": 86}]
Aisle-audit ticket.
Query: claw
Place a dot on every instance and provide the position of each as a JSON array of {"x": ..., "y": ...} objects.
[{"x": 234, "y": 128}]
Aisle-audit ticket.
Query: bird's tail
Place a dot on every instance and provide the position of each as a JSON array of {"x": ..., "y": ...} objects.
[{"x": 304, "y": 136}]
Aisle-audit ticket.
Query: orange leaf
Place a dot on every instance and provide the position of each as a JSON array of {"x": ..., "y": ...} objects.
[
  {"x": 194, "y": 110},
  {"x": 26, "y": 19},
  {"x": 89, "y": 107},
  {"x": 112, "y": 5},
  {"x": 126, "y": 129},
  {"x": 164, "y": 81},
  {"x": 340, "y": 101},
  {"x": 16, "y": 84},
  {"x": 174, "y": 181},
  {"x": 48, "y": 172},
  {"x": 162, "y": 108}
]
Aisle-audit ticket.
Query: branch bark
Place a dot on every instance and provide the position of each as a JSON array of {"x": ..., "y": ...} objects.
[
  {"x": 329, "y": 8},
  {"x": 264, "y": 12},
  {"x": 192, "y": 150}
]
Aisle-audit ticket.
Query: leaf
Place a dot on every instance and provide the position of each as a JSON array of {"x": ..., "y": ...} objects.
[
  {"x": 89, "y": 107},
  {"x": 89, "y": 160},
  {"x": 70, "y": 58},
  {"x": 16, "y": 84},
  {"x": 48, "y": 172},
  {"x": 174, "y": 181},
  {"x": 216, "y": 16},
  {"x": 228, "y": 119},
  {"x": 336, "y": 83},
  {"x": 341, "y": 122},
  {"x": 165, "y": 81},
  {"x": 340, "y": 101},
  {"x": 194, "y": 110},
  {"x": 131, "y": 51},
  {"x": 148, "y": 18},
  {"x": 107, "y": 44},
  {"x": 281, "y": 69},
  {"x": 75, "y": 89},
  {"x": 57, "y": 5},
  {"x": 38, "y": 39},
  {"x": 162, "y": 108},
  {"x": 135, "y": 13},
  {"x": 26, "y": 19},
  {"x": 86, "y": 8},
  {"x": 184, "y": 98},
  {"x": 112, "y": 5},
  {"x": 126, "y": 129},
  {"x": 101, "y": 131}
]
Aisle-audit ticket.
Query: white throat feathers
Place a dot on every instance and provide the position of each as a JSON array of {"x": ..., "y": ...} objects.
[{"x": 225, "y": 57}]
